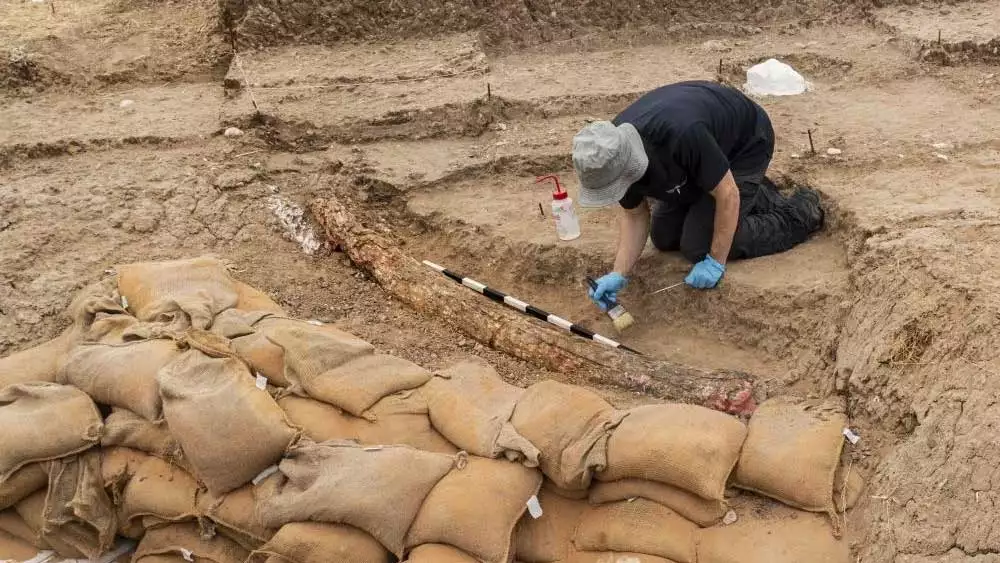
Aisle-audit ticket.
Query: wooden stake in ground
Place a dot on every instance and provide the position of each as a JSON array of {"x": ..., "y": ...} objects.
[{"x": 373, "y": 250}]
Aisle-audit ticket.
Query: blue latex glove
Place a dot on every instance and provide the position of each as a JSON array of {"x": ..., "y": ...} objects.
[
  {"x": 606, "y": 292},
  {"x": 705, "y": 274}
]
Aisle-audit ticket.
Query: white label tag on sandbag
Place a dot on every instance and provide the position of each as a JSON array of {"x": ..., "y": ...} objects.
[
  {"x": 264, "y": 475},
  {"x": 851, "y": 436},
  {"x": 534, "y": 507},
  {"x": 187, "y": 554},
  {"x": 261, "y": 382}
]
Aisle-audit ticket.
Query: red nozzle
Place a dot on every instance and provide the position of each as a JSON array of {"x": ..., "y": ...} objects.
[{"x": 559, "y": 192}]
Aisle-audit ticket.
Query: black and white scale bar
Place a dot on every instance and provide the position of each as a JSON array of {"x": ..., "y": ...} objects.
[{"x": 515, "y": 303}]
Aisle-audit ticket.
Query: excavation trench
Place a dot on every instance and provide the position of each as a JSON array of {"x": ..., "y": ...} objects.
[{"x": 495, "y": 226}]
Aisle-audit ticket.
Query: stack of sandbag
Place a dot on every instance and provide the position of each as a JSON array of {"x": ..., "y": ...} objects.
[
  {"x": 50, "y": 478},
  {"x": 665, "y": 471},
  {"x": 666, "y": 474},
  {"x": 403, "y": 497},
  {"x": 231, "y": 432}
]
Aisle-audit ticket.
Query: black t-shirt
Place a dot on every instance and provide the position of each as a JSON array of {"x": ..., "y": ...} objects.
[{"x": 693, "y": 132}]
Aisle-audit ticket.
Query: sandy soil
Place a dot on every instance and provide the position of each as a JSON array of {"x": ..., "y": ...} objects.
[{"x": 111, "y": 151}]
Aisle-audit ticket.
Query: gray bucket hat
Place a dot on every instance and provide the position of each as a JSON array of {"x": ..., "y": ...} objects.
[{"x": 608, "y": 160}]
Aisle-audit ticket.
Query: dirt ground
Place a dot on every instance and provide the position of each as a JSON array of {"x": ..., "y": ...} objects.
[{"x": 112, "y": 150}]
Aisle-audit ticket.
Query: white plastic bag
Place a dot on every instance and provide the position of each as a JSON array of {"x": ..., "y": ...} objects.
[{"x": 774, "y": 78}]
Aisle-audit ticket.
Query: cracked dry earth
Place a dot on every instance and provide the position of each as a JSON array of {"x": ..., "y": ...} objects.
[{"x": 111, "y": 150}]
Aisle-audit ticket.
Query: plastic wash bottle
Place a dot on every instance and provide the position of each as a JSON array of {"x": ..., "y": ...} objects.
[{"x": 567, "y": 223}]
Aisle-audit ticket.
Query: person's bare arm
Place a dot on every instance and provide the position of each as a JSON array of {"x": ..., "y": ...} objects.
[
  {"x": 727, "y": 216},
  {"x": 633, "y": 230}
]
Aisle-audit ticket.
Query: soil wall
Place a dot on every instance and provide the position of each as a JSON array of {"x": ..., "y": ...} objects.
[{"x": 258, "y": 23}]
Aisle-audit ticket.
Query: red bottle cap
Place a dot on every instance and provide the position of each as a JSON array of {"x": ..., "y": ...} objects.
[{"x": 559, "y": 192}]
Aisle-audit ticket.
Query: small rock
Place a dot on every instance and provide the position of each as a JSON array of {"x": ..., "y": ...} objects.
[
  {"x": 233, "y": 132},
  {"x": 796, "y": 155},
  {"x": 943, "y": 146},
  {"x": 144, "y": 224},
  {"x": 833, "y": 152},
  {"x": 730, "y": 518},
  {"x": 715, "y": 45},
  {"x": 28, "y": 316},
  {"x": 231, "y": 179},
  {"x": 941, "y": 156},
  {"x": 126, "y": 104},
  {"x": 501, "y": 126}
]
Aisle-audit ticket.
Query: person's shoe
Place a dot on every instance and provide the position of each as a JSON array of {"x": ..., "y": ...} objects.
[{"x": 807, "y": 205}]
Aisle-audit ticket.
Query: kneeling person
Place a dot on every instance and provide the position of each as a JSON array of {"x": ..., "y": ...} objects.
[{"x": 699, "y": 151}]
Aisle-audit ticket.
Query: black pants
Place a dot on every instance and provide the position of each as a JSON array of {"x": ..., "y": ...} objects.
[{"x": 769, "y": 222}]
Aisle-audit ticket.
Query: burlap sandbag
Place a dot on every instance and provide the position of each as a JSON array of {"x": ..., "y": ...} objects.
[
  {"x": 309, "y": 350},
  {"x": 43, "y": 362},
  {"x": 249, "y": 298},
  {"x": 399, "y": 419},
  {"x": 438, "y": 553},
  {"x": 792, "y": 452},
  {"x": 550, "y": 537},
  {"x": 127, "y": 429},
  {"x": 265, "y": 357},
  {"x": 376, "y": 489},
  {"x": 235, "y": 514},
  {"x": 453, "y": 512},
  {"x": 315, "y": 542},
  {"x": 805, "y": 538},
  {"x": 364, "y": 381},
  {"x": 229, "y": 429},
  {"x": 13, "y": 548},
  {"x": 31, "y": 512},
  {"x": 112, "y": 329},
  {"x": 122, "y": 375},
  {"x": 43, "y": 421},
  {"x": 612, "y": 557},
  {"x": 234, "y": 323},
  {"x": 261, "y": 340},
  {"x": 159, "y": 492},
  {"x": 185, "y": 539},
  {"x": 640, "y": 526},
  {"x": 570, "y": 426},
  {"x": 701, "y": 511},
  {"x": 12, "y": 523},
  {"x": 40, "y": 363},
  {"x": 252, "y": 346},
  {"x": 686, "y": 446},
  {"x": 80, "y": 519},
  {"x": 22, "y": 483},
  {"x": 471, "y": 406},
  {"x": 184, "y": 292}
]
